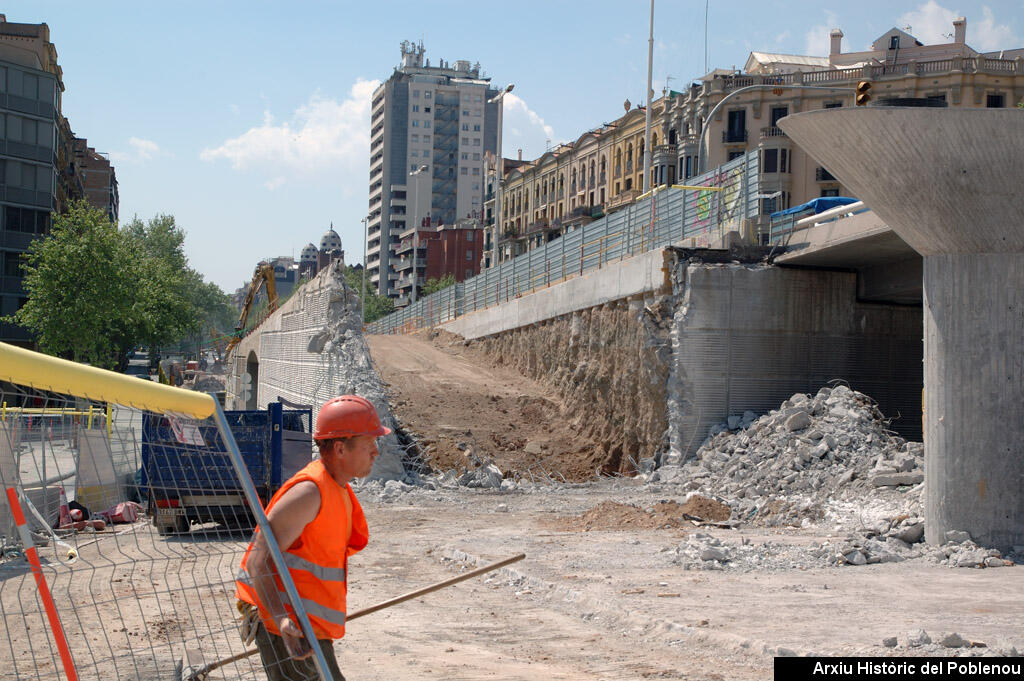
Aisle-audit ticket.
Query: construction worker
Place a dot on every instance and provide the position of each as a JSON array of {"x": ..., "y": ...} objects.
[{"x": 318, "y": 523}]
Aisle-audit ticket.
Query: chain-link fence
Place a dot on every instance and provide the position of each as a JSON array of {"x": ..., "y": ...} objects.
[{"x": 668, "y": 215}]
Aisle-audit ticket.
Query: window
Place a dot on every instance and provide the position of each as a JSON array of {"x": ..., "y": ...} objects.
[
  {"x": 465, "y": 156},
  {"x": 465, "y": 112},
  {"x": 465, "y": 141},
  {"x": 940, "y": 98},
  {"x": 777, "y": 113},
  {"x": 469, "y": 236},
  {"x": 415, "y": 94},
  {"x": 412, "y": 167},
  {"x": 12, "y": 263},
  {"x": 426, "y": 124},
  {"x": 476, "y": 171},
  {"x": 770, "y": 161},
  {"x": 465, "y": 127},
  {"x": 830, "y": 192},
  {"x": 833, "y": 105},
  {"x": 476, "y": 141},
  {"x": 426, "y": 139},
  {"x": 415, "y": 123},
  {"x": 413, "y": 152},
  {"x": 426, "y": 109},
  {"x": 734, "y": 154},
  {"x": 426, "y": 94},
  {"x": 737, "y": 126},
  {"x": 476, "y": 156},
  {"x": 415, "y": 108},
  {"x": 415, "y": 137},
  {"x": 469, "y": 253},
  {"x": 464, "y": 170},
  {"x": 995, "y": 101},
  {"x": 476, "y": 128},
  {"x": 783, "y": 160}
]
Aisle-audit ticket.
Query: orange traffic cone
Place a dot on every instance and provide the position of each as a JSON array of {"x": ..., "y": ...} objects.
[{"x": 65, "y": 511}]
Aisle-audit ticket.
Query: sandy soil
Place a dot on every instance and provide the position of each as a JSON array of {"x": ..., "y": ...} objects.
[{"x": 464, "y": 411}]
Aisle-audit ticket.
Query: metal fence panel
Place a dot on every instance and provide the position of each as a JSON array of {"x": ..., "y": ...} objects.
[{"x": 666, "y": 216}]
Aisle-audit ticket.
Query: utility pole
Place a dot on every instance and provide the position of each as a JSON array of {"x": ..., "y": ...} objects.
[
  {"x": 415, "y": 177},
  {"x": 362, "y": 295}
]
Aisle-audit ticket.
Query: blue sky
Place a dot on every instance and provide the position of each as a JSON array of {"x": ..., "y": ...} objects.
[{"x": 248, "y": 121}]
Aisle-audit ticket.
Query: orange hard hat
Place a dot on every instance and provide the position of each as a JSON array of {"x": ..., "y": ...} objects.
[{"x": 348, "y": 416}]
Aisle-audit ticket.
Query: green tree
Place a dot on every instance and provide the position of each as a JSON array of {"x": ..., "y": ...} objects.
[
  {"x": 376, "y": 306},
  {"x": 435, "y": 285},
  {"x": 81, "y": 283},
  {"x": 95, "y": 292}
]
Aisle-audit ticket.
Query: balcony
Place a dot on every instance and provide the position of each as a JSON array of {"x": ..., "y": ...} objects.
[
  {"x": 539, "y": 226},
  {"x": 623, "y": 198},
  {"x": 771, "y": 131},
  {"x": 734, "y": 136},
  {"x": 822, "y": 175},
  {"x": 406, "y": 264}
]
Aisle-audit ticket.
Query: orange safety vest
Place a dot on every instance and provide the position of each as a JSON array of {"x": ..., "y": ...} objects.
[{"x": 318, "y": 559}]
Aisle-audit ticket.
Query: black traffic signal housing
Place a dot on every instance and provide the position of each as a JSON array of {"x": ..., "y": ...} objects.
[{"x": 863, "y": 93}]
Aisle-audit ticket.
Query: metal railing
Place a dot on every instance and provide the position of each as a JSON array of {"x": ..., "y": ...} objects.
[{"x": 668, "y": 215}]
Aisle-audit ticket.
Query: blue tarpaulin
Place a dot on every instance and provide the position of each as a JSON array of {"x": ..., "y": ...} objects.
[{"x": 815, "y": 206}]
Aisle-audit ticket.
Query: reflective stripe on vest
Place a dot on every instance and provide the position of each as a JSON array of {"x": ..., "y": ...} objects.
[
  {"x": 311, "y": 606},
  {"x": 324, "y": 574}
]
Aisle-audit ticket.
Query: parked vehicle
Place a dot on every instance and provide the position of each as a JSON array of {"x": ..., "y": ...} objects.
[{"x": 186, "y": 484}]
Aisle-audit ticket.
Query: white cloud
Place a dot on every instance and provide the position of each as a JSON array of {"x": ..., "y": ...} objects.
[
  {"x": 321, "y": 133},
  {"x": 816, "y": 40},
  {"x": 274, "y": 183},
  {"x": 142, "y": 150},
  {"x": 931, "y": 23},
  {"x": 516, "y": 107},
  {"x": 988, "y": 36}
]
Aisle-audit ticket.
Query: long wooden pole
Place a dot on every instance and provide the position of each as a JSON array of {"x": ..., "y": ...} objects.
[{"x": 201, "y": 673}]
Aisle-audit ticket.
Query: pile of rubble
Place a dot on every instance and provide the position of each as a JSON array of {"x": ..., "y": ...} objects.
[{"x": 783, "y": 465}]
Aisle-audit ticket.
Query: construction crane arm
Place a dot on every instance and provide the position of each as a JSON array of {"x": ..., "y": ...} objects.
[{"x": 264, "y": 276}]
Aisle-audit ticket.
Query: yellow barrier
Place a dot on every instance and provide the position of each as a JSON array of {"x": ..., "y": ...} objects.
[{"x": 44, "y": 372}]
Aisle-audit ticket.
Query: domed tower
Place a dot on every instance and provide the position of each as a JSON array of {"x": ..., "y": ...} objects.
[
  {"x": 307, "y": 261},
  {"x": 330, "y": 248},
  {"x": 330, "y": 241}
]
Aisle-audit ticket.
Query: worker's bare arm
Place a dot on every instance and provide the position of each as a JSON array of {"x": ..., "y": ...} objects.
[{"x": 288, "y": 518}]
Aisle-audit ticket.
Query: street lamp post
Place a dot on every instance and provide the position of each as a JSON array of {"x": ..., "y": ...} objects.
[
  {"x": 500, "y": 99},
  {"x": 362, "y": 295},
  {"x": 702, "y": 141},
  {"x": 647, "y": 119},
  {"x": 415, "y": 176}
]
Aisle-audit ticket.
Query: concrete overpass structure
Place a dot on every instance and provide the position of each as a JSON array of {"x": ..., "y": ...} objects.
[{"x": 948, "y": 183}]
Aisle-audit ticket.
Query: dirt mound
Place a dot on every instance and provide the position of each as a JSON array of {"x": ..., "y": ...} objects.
[
  {"x": 464, "y": 412},
  {"x": 614, "y": 516},
  {"x": 706, "y": 509}
]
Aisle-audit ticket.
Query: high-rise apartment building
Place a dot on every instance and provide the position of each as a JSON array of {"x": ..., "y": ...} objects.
[
  {"x": 41, "y": 161},
  {"x": 435, "y": 122}
]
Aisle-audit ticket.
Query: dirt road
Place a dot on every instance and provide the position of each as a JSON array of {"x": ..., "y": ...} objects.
[
  {"x": 463, "y": 410},
  {"x": 610, "y": 603}
]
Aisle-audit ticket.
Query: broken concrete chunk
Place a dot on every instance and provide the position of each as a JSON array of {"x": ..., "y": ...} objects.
[
  {"x": 856, "y": 558},
  {"x": 910, "y": 533},
  {"x": 953, "y": 640},
  {"x": 957, "y": 536},
  {"x": 798, "y": 421},
  {"x": 917, "y": 638},
  {"x": 889, "y": 642},
  {"x": 897, "y": 479}
]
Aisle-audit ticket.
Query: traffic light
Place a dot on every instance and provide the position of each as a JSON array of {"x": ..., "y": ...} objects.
[{"x": 863, "y": 91}]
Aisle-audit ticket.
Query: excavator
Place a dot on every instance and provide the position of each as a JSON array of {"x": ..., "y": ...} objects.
[{"x": 263, "y": 276}]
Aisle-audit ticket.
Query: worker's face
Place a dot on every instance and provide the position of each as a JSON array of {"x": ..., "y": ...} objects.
[{"x": 355, "y": 456}]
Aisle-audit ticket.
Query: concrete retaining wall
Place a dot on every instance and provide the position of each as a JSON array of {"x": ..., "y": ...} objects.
[{"x": 748, "y": 337}]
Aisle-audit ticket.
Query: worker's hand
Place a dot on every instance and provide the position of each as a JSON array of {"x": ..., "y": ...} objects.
[{"x": 294, "y": 640}]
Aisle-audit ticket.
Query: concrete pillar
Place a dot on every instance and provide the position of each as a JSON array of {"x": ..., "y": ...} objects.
[{"x": 947, "y": 181}]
